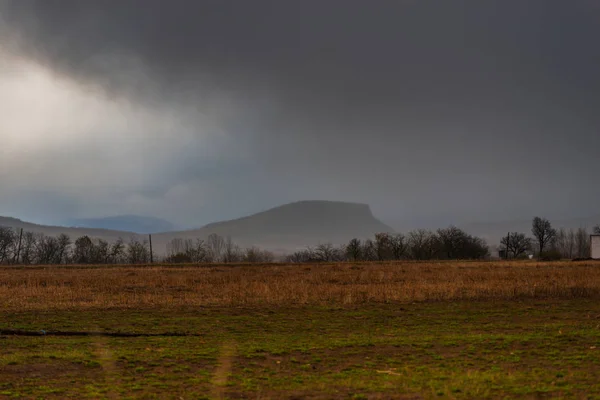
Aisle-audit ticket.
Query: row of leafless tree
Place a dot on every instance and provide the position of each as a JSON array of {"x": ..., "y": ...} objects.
[
  {"x": 449, "y": 243},
  {"x": 36, "y": 248},
  {"x": 548, "y": 242},
  {"x": 31, "y": 248},
  {"x": 17, "y": 247},
  {"x": 214, "y": 249}
]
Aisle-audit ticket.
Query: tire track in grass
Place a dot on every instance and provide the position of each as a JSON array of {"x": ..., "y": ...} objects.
[
  {"x": 106, "y": 359},
  {"x": 223, "y": 370}
]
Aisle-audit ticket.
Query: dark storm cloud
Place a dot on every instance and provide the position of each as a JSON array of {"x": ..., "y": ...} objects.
[{"x": 424, "y": 109}]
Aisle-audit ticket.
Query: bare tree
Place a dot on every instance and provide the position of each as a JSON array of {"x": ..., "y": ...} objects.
[
  {"x": 565, "y": 243},
  {"x": 138, "y": 252},
  {"x": 597, "y": 230},
  {"x": 256, "y": 255},
  {"x": 180, "y": 251},
  {"x": 175, "y": 247},
  {"x": 398, "y": 245},
  {"x": 252, "y": 255},
  {"x": 325, "y": 252},
  {"x": 301, "y": 256},
  {"x": 570, "y": 248},
  {"x": 231, "y": 251},
  {"x": 28, "y": 248},
  {"x": 48, "y": 250},
  {"x": 339, "y": 254},
  {"x": 543, "y": 232},
  {"x": 102, "y": 252},
  {"x": 83, "y": 253},
  {"x": 216, "y": 245},
  {"x": 8, "y": 240},
  {"x": 64, "y": 241},
  {"x": 455, "y": 244},
  {"x": 451, "y": 242},
  {"x": 383, "y": 246},
  {"x": 516, "y": 244},
  {"x": 117, "y": 252},
  {"x": 186, "y": 251},
  {"x": 354, "y": 250},
  {"x": 421, "y": 244},
  {"x": 475, "y": 248},
  {"x": 582, "y": 243},
  {"x": 369, "y": 250},
  {"x": 200, "y": 252}
]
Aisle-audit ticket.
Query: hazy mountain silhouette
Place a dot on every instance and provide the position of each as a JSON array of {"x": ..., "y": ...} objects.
[
  {"x": 130, "y": 223},
  {"x": 297, "y": 225},
  {"x": 56, "y": 230},
  {"x": 280, "y": 229}
]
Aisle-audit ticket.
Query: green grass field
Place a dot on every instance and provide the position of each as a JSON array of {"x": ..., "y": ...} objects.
[{"x": 482, "y": 349}]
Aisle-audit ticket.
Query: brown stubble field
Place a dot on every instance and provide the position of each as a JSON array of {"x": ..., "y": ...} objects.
[
  {"x": 35, "y": 288},
  {"x": 322, "y": 331}
]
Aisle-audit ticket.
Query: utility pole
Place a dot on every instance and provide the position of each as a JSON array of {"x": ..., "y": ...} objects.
[
  {"x": 507, "y": 244},
  {"x": 151, "y": 253}
]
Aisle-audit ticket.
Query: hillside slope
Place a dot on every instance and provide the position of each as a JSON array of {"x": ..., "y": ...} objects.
[
  {"x": 128, "y": 223},
  {"x": 295, "y": 225},
  {"x": 106, "y": 234},
  {"x": 280, "y": 229}
]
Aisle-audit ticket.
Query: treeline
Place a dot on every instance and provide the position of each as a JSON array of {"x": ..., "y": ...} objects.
[
  {"x": 443, "y": 244},
  {"x": 449, "y": 244},
  {"x": 547, "y": 242},
  {"x": 214, "y": 249},
  {"x": 36, "y": 248},
  {"x": 31, "y": 248}
]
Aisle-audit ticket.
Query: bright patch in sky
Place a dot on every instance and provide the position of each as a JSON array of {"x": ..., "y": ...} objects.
[
  {"x": 72, "y": 139},
  {"x": 43, "y": 112}
]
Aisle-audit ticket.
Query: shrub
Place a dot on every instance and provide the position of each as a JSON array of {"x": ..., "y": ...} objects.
[{"x": 550, "y": 255}]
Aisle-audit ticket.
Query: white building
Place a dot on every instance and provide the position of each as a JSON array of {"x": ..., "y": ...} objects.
[{"x": 595, "y": 245}]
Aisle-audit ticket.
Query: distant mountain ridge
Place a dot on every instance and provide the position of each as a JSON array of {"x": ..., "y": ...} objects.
[
  {"x": 299, "y": 224},
  {"x": 296, "y": 225},
  {"x": 280, "y": 229},
  {"x": 307, "y": 217},
  {"x": 55, "y": 230},
  {"x": 129, "y": 223}
]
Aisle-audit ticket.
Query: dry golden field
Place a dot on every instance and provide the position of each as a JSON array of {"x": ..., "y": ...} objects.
[{"x": 55, "y": 288}]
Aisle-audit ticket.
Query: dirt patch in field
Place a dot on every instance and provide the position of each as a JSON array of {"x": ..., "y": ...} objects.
[{"x": 49, "y": 371}]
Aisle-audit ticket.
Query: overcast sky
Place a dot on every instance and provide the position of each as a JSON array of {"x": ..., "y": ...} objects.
[{"x": 196, "y": 111}]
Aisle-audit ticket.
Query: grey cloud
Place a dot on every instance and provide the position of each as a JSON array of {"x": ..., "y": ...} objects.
[{"x": 462, "y": 110}]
